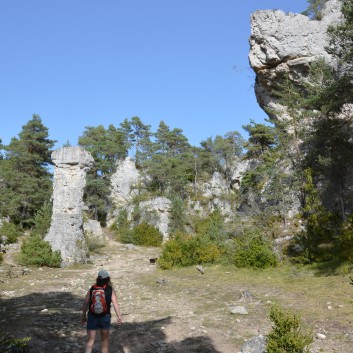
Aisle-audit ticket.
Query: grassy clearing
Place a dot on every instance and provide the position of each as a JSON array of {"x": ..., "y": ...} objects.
[
  {"x": 193, "y": 304},
  {"x": 317, "y": 299}
]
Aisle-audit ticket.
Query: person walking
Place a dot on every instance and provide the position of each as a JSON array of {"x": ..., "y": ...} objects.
[{"x": 97, "y": 303}]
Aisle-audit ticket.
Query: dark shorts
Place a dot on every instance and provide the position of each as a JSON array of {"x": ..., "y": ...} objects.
[{"x": 95, "y": 322}]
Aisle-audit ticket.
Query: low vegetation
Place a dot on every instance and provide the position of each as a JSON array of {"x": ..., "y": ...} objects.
[
  {"x": 37, "y": 252},
  {"x": 13, "y": 345},
  {"x": 287, "y": 334}
]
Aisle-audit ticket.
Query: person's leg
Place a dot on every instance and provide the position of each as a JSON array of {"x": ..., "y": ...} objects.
[
  {"x": 91, "y": 335},
  {"x": 105, "y": 340}
]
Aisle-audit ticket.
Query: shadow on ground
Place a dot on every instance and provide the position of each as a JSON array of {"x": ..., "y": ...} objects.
[{"x": 52, "y": 321}]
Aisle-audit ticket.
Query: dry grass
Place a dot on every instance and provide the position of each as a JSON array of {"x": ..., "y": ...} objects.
[{"x": 189, "y": 310}]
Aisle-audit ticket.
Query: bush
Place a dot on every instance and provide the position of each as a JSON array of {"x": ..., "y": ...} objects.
[
  {"x": 212, "y": 227},
  {"x": 10, "y": 232},
  {"x": 287, "y": 334},
  {"x": 171, "y": 256},
  {"x": 42, "y": 220},
  {"x": 177, "y": 215},
  {"x": 121, "y": 227},
  {"x": 93, "y": 241},
  {"x": 208, "y": 253},
  {"x": 13, "y": 345},
  {"x": 146, "y": 235},
  {"x": 37, "y": 252},
  {"x": 253, "y": 251},
  {"x": 187, "y": 250}
]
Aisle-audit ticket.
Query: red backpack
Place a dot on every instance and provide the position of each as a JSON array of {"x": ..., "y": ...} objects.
[{"x": 98, "y": 303}]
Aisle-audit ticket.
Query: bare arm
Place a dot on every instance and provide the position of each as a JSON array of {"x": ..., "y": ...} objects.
[
  {"x": 116, "y": 308},
  {"x": 85, "y": 307}
]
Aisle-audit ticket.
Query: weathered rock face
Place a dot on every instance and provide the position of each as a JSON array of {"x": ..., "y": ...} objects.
[
  {"x": 66, "y": 231},
  {"x": 93, "y": 230},
  {"x": 123, "y": 181},
  {"x": 157, "y": 210},
  {"x": 283, "y": 43}
]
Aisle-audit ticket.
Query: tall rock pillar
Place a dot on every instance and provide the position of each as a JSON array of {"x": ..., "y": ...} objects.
[{"x": 66, "y": 231}]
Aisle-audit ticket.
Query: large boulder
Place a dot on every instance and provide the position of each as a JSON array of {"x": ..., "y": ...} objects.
[{"x": 66, "y": 229}]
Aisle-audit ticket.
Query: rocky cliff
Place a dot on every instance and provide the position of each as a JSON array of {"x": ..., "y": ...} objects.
[
  {"x": 127, "y": 183},
  {"x": 282, "y": 44}
]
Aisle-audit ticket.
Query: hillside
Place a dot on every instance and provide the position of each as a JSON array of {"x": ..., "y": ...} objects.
[{"x": 176, "y": 311}]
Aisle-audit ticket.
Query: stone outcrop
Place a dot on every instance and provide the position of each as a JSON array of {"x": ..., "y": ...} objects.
[
  {"x": 156, "y": 211},
  {"x": 283, "y": 43},
  {"x": 94, "y": 232},
  {"x": 66, "y": 230},
  {"x": 123, "y": 182}
]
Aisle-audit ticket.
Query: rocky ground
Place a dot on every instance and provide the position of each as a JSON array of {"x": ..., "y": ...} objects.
[{"x": 176, "y": 311}]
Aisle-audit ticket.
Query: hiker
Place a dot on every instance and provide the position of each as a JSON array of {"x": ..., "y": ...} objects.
[{"x": 97, "y": 302}]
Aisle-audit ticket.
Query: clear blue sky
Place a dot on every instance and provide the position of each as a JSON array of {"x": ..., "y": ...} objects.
[{"x": 81, "y": 63}]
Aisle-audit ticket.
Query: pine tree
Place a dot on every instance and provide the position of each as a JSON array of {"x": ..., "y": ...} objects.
[
  {"x": 137, "y": 136},
  {"x": 314, "y": 8},
  {"x": 24, "y": 173},
  {"x": 107, "y": 146},
  {"x": 171, "y": 161}
]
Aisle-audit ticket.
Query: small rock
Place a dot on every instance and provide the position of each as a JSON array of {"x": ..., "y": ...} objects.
[
  {"x": 255, "y": 345},
  {"x": 241, "y": 310},
  {"x": 130, "y": 247},
  {"x": 320, "y": 336},
  {"x": 44, "y": 311},
  {"x": 200, "y": 269}
]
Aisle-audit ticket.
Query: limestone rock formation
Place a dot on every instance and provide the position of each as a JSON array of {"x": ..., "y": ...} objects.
[
  {"x": 123, "y": 182},
  {"x": 93, "y": 231},
  {"x": 66, "y": 231},
  {"x": 286, "y": 43},
  {"x": 157, "y": 210}
]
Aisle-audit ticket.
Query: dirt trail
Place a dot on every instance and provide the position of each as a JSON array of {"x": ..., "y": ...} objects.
[{"x": 176, "y": 311}]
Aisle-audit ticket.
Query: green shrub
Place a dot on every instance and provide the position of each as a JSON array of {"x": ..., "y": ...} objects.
[
  {"x": 121, "y": 227},
  {"x": 37, "y": 252},
  {"x": 11, "y": 232},
  {"x": 93, "y": 242},
  {"x": 171, "y": 255},
  {"x": 186, "y": 250},
  {"x": 253, "y": 251},
  {"x": 146, "y": 235},
  {"x": 125, "y": 235},
  {"x": 42, "y": 220},
  {"x": 208, "y": 253},
  {"x": 13, "y": 345},
  {"x": 177, "y": 215},
  {"x": 322, "y": 233},
  {"x": 287, "y": 334},
  {"x": 212, "y": 227}
]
